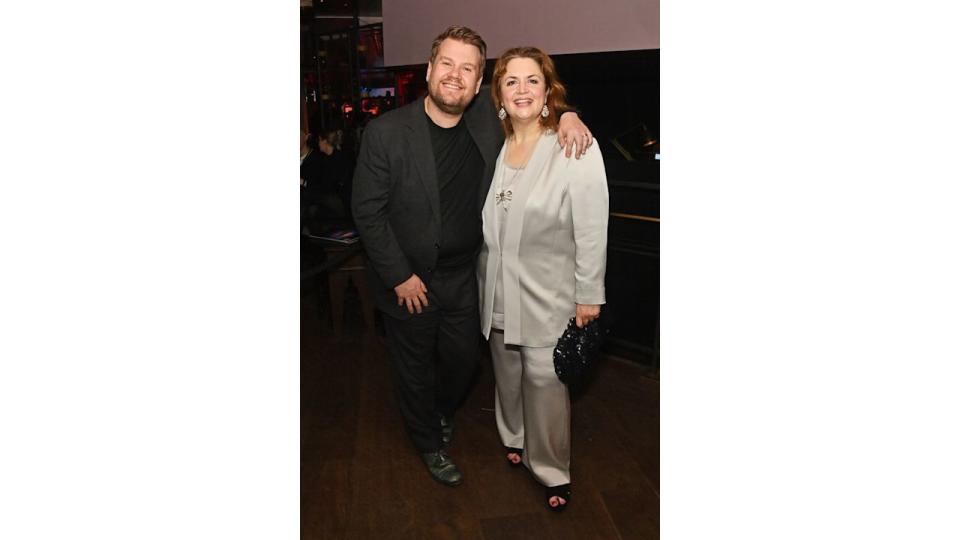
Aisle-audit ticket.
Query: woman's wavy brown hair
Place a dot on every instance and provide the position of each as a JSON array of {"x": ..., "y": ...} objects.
[{"x": 556, "y": 98}]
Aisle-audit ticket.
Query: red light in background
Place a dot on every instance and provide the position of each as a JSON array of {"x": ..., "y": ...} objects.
[{"x": 370, "y": 106}]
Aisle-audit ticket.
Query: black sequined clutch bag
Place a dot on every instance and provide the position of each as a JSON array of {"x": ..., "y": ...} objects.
[{"x": 576, "y": 351}]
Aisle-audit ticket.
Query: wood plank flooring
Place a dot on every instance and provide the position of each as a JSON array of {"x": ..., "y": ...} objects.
[{"x": 362, "y": 479}]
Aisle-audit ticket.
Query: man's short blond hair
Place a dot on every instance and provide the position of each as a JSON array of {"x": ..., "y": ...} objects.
[{"x": 464, "y": 35}]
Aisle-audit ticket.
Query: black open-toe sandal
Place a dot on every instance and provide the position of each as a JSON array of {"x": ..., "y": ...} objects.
[
  {"x": 559, "y": 491},
  {"x": 519, "y": 452}
]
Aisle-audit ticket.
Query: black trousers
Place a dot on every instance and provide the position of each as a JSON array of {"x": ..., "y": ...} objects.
[{"x": 435, "y": 353}]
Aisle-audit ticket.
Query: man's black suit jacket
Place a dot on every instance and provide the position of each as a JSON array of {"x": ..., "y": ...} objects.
[{"x": 396, "y": 198}]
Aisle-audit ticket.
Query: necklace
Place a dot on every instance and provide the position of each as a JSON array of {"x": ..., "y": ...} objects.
[{"x": 504, "y": 196}]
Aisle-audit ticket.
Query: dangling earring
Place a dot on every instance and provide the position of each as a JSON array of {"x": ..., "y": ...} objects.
[
  {"x": 545, "y": 112},
  {"x": 502, "y": 114}
]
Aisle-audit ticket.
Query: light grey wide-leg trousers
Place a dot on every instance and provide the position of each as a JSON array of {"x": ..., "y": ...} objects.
[{"x": 532, "y": 408}]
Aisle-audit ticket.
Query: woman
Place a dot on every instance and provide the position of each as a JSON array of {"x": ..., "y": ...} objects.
[{"x": 543, "y": 262}]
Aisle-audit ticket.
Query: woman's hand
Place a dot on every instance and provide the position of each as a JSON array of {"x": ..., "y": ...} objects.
[{"x": 586, "y": 313}]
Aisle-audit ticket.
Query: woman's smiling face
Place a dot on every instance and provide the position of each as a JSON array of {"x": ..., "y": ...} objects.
[{"x": 522, "y": 89}]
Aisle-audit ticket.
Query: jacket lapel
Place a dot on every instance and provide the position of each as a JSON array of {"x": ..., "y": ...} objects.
[
  {"x": 422, "y": 151},
  {"x": 532, "y": 174},
  {"x": 486, "y": 141},
  {"x": 491, "y": 222}
]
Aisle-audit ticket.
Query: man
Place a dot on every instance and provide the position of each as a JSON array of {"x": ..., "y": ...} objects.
[{"x": 422, "y": 175}]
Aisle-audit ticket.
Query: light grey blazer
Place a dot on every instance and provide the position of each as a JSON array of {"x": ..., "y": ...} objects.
[{"x": 554, "y": 252}]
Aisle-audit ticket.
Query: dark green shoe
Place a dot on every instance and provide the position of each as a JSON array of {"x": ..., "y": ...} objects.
[
  {"x": 442, "y": 469},
  {"x": 446, "y": 431}
]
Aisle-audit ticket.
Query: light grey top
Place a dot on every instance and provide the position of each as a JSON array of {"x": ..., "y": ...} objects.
[{"x": 505, "y": 186}]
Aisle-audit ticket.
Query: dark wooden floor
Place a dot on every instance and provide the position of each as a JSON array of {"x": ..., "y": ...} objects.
[{"x": 361, "y": 478}]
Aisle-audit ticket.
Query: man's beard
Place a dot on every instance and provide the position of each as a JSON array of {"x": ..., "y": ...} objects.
[{"x": 449, "y": 108}]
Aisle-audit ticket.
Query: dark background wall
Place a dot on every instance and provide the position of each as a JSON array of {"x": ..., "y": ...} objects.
[{"x": 618, "y": 94}]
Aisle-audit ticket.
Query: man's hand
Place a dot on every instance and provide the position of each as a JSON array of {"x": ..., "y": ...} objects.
[
  {"x": 572, "y": 131},
  {"x": 413, "y": 293},
  {"x": 586, "y": 313}
]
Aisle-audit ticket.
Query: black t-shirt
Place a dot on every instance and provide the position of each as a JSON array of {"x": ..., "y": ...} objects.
[{"x": 459, "y": 173}]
